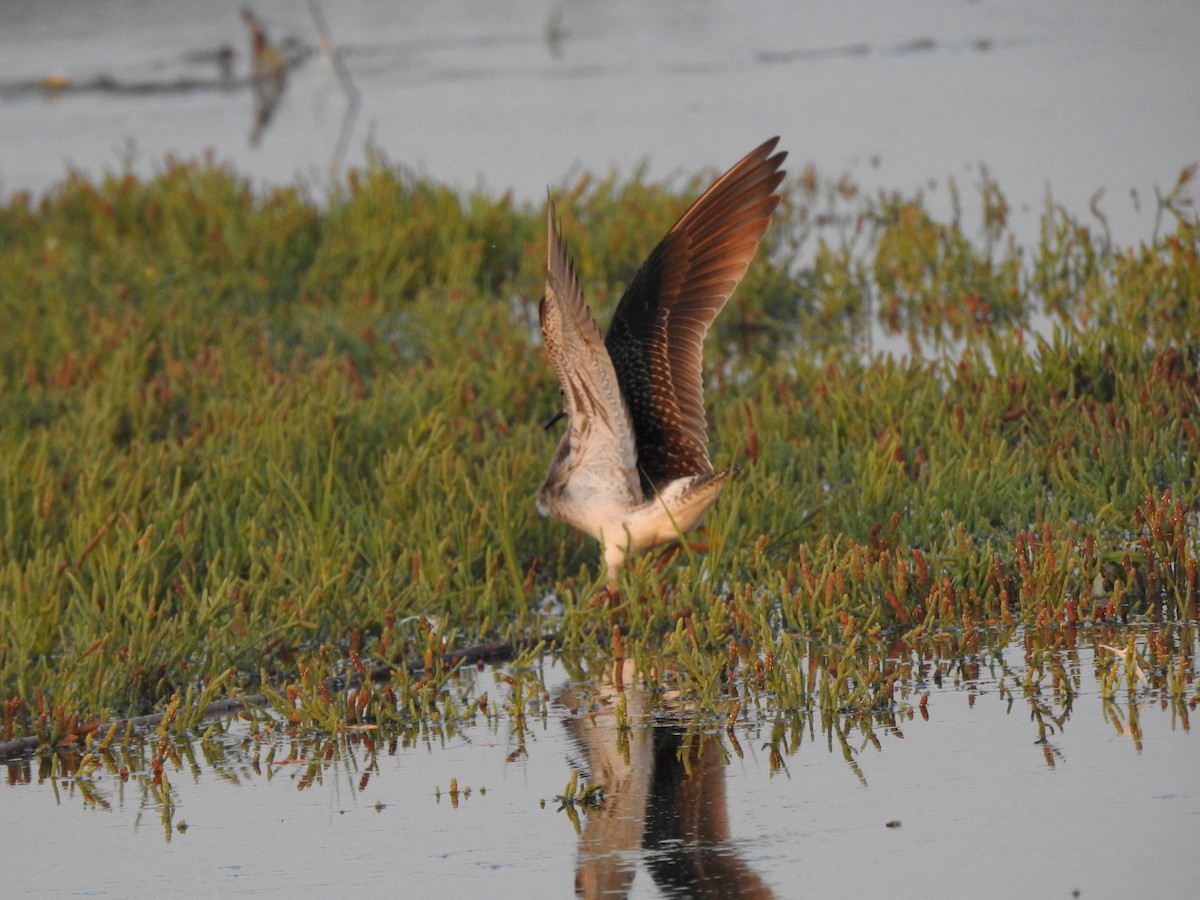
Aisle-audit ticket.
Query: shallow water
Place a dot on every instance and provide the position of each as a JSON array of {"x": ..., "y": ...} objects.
[
  {"x": 1072, "y": 96},
  {"x": 1021, "y": 793}
]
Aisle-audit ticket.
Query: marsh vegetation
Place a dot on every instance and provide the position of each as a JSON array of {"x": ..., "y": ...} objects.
[{"x": 256, "y": 445}]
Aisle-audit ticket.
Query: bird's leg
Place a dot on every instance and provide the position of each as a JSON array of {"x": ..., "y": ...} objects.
[{"x": 673, "y": 550}]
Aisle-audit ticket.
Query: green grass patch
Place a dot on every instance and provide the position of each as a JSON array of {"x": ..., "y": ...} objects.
[{"x": 246, "y": 440}]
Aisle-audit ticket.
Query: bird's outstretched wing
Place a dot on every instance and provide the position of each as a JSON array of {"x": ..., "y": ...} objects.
[
  {"x": 657, "y": 334},
  {"x": 599, "y": 433}
]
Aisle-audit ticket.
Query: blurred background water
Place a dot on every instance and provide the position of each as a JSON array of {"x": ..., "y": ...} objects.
[{"x": 1073, "y": 97}]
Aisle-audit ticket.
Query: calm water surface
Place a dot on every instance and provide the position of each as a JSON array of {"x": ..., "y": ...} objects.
[
  {"x": 1020, "y": 793},
  {"x": 1070, "y": 97}
]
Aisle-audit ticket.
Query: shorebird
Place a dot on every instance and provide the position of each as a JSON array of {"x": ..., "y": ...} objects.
[{"x": 632, "y": 469}]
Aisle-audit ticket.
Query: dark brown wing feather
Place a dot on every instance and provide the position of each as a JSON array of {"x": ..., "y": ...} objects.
[{"x": 657, "y": 334}]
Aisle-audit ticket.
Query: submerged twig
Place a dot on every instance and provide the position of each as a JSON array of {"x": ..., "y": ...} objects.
[{"x": 490, "y": 651}]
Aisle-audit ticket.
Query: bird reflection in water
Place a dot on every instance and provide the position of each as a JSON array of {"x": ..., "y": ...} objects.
[
  {"x": 664, "y": 800},
  {"x": 268, "y": 75}
]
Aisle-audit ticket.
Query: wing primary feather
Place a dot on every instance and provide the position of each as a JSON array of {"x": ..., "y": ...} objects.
[{"x": 657, "y": 334}]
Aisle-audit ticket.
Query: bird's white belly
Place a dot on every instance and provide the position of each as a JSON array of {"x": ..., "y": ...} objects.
[
  {"x": 624, "y": 524},
  {"x": 657, "y": 521}
]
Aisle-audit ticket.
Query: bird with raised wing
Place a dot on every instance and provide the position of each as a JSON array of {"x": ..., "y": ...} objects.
[{"x": 632, "y": 468}]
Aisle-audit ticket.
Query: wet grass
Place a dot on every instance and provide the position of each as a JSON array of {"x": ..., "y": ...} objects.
[
  {"x": 853, "y": 701},
  {"x": 250, "y": 444}
]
